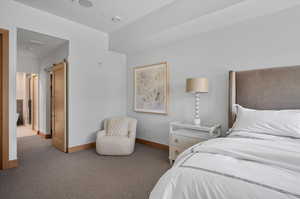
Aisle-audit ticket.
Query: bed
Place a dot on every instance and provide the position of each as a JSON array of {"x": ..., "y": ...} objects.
[{"x": 248, "y": 163}]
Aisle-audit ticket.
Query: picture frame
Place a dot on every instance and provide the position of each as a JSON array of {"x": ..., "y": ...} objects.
[{"x": 151, "y": 88}]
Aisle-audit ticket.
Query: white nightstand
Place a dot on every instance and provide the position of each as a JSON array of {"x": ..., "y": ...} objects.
[{"x": 184, "y": 135}]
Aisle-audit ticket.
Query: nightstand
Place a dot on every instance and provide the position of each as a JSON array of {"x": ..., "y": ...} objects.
[{"x": 184, "y": 135}]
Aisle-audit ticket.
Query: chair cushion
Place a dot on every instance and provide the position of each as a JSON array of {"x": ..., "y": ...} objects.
[
  {"x": 117, "y": 127},
  {"x": 113, "y": 145}
]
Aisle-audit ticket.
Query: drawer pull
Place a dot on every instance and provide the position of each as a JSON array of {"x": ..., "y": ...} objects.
[{"x": 176, "y": 140}]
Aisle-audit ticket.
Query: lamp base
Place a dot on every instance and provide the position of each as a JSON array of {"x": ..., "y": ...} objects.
[{"x": 197, "y": 121}]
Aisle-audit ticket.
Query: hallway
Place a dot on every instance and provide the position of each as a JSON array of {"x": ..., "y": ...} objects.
[{"x": 26, "y": 130}]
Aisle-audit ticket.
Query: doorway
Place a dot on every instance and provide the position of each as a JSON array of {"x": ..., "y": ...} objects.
[
  {"x": 27, "y": 104},
  {"x": 37, "y": 55},
  {"x": 42, "y": 104}
]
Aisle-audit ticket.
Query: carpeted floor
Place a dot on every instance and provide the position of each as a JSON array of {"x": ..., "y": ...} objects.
[{"x": 46, "y": 173}]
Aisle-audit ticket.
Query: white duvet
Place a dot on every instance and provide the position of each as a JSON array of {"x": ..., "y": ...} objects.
[{"x": 243, "y": 165}]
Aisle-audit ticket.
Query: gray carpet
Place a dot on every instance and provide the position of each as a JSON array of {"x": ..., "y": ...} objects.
[{"x": 46, "y": 173}]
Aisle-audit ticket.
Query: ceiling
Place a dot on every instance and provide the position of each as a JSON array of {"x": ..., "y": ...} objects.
[
  {"x": 187, "y": 18},
  {"x": 100, "y": 15},
  {"x": 151, "y": 23},
  {"x": 37, "y": 44}
]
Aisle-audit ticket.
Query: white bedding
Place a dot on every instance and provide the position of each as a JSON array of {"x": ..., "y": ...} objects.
[{"x": 243, "y": 165}]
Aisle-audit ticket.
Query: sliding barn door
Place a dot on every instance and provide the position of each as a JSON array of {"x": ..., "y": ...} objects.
[{"x": 59, "y": 111}]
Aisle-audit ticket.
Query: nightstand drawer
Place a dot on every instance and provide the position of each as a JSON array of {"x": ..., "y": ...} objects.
[
  {"x": 184, "y": 135},
  {"x": 175, "y": 151},
  {"x": 183, "y": 141}
]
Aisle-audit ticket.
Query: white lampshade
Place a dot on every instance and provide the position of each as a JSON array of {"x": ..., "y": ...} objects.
[{"x": 197, "y": 85}]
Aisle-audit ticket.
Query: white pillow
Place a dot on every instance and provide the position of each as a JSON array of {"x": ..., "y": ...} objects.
[{"x": 273, "y": 122}]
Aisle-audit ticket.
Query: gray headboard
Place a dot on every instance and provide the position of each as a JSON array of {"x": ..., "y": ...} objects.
[{"x": 272, "y": 88}]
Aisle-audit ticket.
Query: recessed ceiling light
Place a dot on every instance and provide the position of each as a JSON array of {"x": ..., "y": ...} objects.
[
  {"x": 85, "y": 3},
  {"x": 116, "y": 19}
]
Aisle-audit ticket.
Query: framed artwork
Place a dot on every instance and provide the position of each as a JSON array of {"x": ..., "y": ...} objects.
[{"x": 151, "y": 88}]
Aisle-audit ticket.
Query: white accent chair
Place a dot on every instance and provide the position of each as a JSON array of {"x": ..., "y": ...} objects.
[{"x": 118, "y": 136}]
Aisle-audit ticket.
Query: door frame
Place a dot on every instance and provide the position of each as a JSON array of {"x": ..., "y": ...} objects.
[
  {"x": 4, "y": 124},
  {"x": 34, "y": 116},
  {"x": 50, "y": 102}
]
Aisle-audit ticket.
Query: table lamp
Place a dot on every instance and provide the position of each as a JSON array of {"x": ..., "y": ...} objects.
[{"x": 197, "y": 86}]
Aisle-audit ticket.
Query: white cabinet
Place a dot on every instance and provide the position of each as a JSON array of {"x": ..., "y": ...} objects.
[{"x": 184, "y": 135}]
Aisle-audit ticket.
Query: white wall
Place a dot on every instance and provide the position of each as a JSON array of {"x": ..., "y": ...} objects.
[
  {"x": 55, "y": 56},
  {"x": 91, "y": 92},
  {"x": 20, "y": 93},
  {"x": 102, "y": 96},
  {"x": 27, "y": 63},
  {"x": 268, "y": 41}
]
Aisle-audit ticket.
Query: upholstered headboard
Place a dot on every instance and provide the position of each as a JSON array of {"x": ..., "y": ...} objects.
[{"x": 272, "y": 88}]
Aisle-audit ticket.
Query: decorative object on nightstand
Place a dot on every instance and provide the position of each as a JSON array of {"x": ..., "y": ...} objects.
[
  {"x": 184, "y": 135},
  {"x": 197, "y": 86}
]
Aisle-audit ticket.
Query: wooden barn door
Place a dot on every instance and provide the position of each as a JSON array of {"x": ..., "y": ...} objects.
[{"x": 59, "y": 107}]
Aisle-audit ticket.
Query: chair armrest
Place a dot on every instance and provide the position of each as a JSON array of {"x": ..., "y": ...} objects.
[
  {"x": 101, "y": 133},
  {"x": 132, "y": 134},
  {"x": 132, "y": 129}
]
